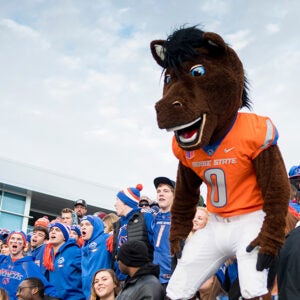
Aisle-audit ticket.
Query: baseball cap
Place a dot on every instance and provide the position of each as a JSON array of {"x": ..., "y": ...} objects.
[
  {"x": 294, "y": 171},
  {"x": 80, "y": 202},
  {"x": 164, "y": 180}
]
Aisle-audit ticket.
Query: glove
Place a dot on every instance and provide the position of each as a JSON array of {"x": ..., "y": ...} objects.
[
  {"x": 272, "y": 273},
  {"x": 264, "y": 261}
]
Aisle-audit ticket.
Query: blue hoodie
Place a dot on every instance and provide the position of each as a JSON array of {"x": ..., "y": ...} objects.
[
  {"x": 95, "y": 255},
  {"x": 66, "y": 276},
  {"x": 13, "y": 273}
]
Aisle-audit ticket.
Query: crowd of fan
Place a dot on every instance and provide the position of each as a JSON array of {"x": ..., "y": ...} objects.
[
  {"x": 122, "y": 255},
  {"x": 76, "y": 255}
]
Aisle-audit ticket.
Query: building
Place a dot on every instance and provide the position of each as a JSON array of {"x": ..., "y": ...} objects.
[{"x": 28, "y": 193}]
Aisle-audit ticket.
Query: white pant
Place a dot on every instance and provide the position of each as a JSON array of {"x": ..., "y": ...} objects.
[{"x": 210, "y": 247}]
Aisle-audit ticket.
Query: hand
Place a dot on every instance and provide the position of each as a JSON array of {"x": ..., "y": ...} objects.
[{"x": 264, "y": 261}]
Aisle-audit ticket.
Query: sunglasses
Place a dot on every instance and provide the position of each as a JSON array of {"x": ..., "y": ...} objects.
[{"x": 143, "y": 204}]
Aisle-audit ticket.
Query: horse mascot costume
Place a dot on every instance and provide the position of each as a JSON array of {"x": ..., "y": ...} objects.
[{"x": 234, "y": 153}]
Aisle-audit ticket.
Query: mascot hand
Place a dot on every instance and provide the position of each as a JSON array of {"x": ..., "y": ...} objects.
[
  {"x": 176, "y": 247},
  {"x": 264, "y": 260}
]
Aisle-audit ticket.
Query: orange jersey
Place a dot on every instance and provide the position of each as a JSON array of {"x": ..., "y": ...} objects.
[{"x": 226, "y": 167}]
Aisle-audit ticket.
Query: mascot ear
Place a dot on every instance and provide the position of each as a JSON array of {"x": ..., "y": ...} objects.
[
  {"x": 158, "y": 51},
  {"x": 214, "y": 42}
]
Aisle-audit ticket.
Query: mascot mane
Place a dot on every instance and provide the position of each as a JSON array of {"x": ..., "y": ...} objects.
[{"x": 182, "y": 46}]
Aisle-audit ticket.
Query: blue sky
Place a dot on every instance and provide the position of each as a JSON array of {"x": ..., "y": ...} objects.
[{"x": 78, "y": 83}]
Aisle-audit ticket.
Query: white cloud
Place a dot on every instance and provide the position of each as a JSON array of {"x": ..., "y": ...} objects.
[
  {"x": 239, "y": 39},
  {"x": 273, "y": 28},
  {"x": 80, "y": 77}
]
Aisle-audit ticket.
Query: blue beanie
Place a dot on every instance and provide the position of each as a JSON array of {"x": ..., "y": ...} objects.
[
  {"x": 89, "y": 218},
  {"x": 131, "y": 196},
  {"x": 65, "y": 229},
  {"x": 76, "y": 229}
]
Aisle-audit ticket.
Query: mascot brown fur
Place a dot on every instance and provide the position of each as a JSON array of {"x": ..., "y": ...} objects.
[{"x": 204, "y": 88}]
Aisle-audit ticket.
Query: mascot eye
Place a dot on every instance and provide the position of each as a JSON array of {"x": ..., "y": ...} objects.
[
  {"x": 197, "y": 70},
  {"x": 167, "y": 79}
]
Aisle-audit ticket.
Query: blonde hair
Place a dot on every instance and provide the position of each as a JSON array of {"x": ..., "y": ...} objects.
[
  {"x": 113, "y": 275},
  {"x": 3, "y": 294},
  {"x": 109, "y": 220}
]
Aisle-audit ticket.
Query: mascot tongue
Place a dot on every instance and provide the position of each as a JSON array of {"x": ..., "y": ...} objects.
[{"x": 187, "y": 136}]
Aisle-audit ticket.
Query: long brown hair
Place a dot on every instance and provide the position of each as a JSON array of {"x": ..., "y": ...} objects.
[{"x": 94, "y": 296}]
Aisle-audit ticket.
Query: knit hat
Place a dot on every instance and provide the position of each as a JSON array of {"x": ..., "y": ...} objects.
[
  {"x": 131, "y": 196},
  {"x": 21, "y": 233},
  {"x": 100, "y": 214},
  {"x": 133, "y": 254},
  {"x": 44, "y": 221},
  {"x": 144, "y": 198},
  {"x": 65, "y": 229},
  {"x": 89, "y": 218},
  {"x": 4, "y": 233},
  {"x": 76, "y": 229}
]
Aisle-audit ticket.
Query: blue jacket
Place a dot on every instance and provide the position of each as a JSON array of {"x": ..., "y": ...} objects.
[
  {"x": 37, "y": 255},
  {"x": 13, "y": 273},
  {"x": 162, "y": 256},
  {"x": 95, "y": 256},
  {"x": 66, "y": 276}
]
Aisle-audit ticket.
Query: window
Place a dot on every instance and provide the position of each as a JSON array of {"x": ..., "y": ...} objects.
[{"x": 12, "y": 208}]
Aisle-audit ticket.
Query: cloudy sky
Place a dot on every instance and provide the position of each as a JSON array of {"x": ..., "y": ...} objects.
[{"x": 78, "y": 83}]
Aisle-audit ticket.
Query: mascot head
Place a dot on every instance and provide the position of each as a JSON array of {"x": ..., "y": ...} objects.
[{"x": 204, "y": 86}]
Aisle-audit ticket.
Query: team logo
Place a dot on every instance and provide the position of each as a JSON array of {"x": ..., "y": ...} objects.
[
  {"x": 93, "y": 246},
  {"x": 60, "y": 262},
  {"x": 226, "y": 150},
  {"x": 189, "y": 154}
]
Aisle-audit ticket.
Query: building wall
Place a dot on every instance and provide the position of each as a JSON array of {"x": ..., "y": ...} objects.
[{"x": 28, "y": 192}]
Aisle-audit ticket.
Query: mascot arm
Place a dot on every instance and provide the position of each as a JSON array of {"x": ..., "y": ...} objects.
[
  {"x": 184, "y": 207},
  {"x": 273, "y": 181}
]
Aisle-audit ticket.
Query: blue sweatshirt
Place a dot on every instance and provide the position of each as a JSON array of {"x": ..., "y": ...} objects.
[
  {"x": 66, "y": 276},
  {"x": 162, "y": 256},
  {"x": 95, "y": 256},
  {"x": 38, "y": 254},
  {"x": 13, "y": 273}
]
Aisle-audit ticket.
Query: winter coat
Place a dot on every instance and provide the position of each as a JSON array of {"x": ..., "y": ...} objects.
[
  {"x": 135, "y": 226},
  {"x": 95, "y": 256},
  {"x": 143, "y": 285},
  {"x": 289, "y": 266},
  {"x": 66, "y": 276}
]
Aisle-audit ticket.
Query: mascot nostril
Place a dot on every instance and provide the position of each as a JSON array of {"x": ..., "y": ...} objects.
[{"x": 235, "y": 154}]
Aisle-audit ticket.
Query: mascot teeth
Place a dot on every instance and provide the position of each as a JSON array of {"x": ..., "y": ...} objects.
[{"x": 184, "y": 126}]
